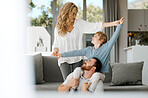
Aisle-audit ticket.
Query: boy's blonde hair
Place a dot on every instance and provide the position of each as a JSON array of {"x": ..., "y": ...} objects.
[{"x": 102, "y": 36}]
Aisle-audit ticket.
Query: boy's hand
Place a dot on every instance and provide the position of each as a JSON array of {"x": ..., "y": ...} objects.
[{"x": 122, "y": 20}]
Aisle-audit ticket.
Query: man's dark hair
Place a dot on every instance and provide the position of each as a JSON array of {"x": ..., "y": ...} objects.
[{"x": 97, "y": 64}]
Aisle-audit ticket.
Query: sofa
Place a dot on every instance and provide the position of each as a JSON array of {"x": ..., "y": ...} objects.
[{"x": 48, "y": 76}]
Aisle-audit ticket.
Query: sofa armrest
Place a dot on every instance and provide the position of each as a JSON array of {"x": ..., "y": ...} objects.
[{"x": 51, "y": 70}]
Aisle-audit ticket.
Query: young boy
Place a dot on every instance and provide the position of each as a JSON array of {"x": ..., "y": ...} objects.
[{"x": 100, "y": 50}]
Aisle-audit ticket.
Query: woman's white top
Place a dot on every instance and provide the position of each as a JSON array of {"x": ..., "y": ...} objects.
[{"x": 73, "y": 40}]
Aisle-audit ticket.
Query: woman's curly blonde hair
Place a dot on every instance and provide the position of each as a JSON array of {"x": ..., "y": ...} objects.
[{"x": 65, "y": 17}]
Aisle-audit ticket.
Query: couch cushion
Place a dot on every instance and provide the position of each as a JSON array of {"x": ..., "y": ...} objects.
[
  {"x": 48, "y": 86},
  {"x": 38, "y": 66},
  {"x": 127, "y": 74},
  {"x": 108, "y": 87}
]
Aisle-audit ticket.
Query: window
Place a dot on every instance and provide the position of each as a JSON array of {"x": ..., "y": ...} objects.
[
  {"x": 94, "y": 11},
  {"x": 40, "y": 12},
  {"x": 137, "y": 4}
]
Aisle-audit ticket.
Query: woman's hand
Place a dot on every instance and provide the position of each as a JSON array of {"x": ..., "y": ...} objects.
[
  {"x": 122, "y": 20},
  {"x": 55, "y": 51},
  {"x": 59, "y": 55},
  {"x": 116, "y": 22}
]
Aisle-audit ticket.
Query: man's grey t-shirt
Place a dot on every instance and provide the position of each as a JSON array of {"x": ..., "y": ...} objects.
[{"x": 82, "y": 80}]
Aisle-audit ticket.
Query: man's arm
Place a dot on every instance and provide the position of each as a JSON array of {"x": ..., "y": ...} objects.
[
  {"x": 64, "y": 88},
  {"x": 68, "y": 83}
]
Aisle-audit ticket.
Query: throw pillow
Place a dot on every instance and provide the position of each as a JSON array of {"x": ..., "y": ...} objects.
[
  {"x": 38, "y": 66},
  {"x": 127, "y": 74}
]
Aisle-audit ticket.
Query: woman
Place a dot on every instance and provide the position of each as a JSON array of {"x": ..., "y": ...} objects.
[{"x": 68, "y": 35}]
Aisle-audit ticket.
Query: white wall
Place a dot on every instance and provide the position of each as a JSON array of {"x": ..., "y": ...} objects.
[
  {"x": 123, "y": 12},
  {"x": 33, "y": 35},
  {"x": 16, "y": 75}
]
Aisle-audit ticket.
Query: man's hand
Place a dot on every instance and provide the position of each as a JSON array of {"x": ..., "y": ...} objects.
[
  {"x": 55, "y": 51},
  {"x": 122, "y": 20},
  {"x": 73, "y": 82},
  {"x": 85, "y": 86}
]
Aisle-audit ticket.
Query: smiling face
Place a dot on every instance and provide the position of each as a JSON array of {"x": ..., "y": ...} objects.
[
  {"x": 99, "y": 38},
  {"x": 88, "y": 65},
  {"x": 96, "y": 39}
]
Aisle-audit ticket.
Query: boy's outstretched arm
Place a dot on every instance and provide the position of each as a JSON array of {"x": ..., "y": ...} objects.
[
  {"x": 73, "y": 53},
  {"x": 115, "y": 36}
]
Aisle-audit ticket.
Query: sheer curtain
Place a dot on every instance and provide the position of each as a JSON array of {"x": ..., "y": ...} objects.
[{"x": 110, "y": 8}]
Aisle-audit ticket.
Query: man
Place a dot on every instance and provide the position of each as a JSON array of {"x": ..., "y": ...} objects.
[{"x": 89, "y": 68}]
